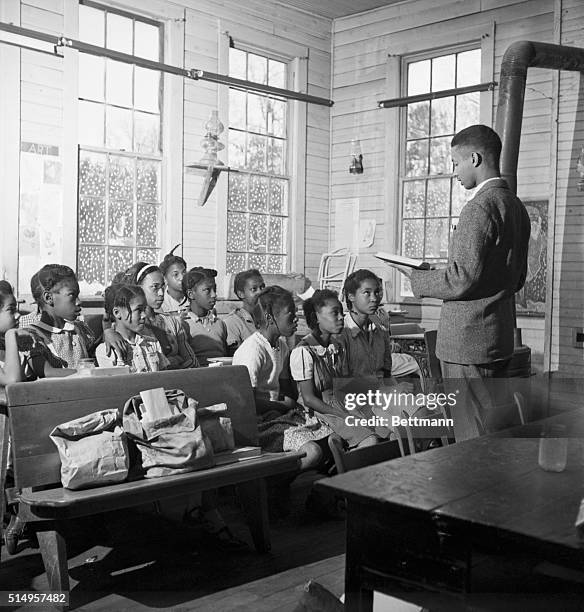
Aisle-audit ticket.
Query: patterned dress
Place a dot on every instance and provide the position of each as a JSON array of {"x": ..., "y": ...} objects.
[
  {"x": 324, "y": 365},
  {"x": 266, "y": 365}
]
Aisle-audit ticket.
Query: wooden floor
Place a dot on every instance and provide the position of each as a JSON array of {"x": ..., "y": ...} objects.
[{"x": 141, "y": 561}]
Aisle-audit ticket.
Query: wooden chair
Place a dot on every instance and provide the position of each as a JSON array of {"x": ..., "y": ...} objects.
[
  {"x": 347, "y": 460},
  {"x": 329, "y": 279}
]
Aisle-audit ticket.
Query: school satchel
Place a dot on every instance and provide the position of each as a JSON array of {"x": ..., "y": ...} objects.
[
  {"x": 173, "y": 441},
  {"x": 93, "y": 450}
]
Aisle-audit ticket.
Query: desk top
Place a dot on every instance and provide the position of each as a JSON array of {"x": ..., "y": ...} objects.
[{"x": 490, "y": 486}]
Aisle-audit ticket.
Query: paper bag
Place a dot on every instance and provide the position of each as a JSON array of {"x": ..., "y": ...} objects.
[
  {"x": 172, "y": 444},
  {"x": 92, "y": 449},
  {"x": 217, "y": 427}
]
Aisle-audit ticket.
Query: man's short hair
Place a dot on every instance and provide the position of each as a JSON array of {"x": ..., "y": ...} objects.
[{"x": 481, "y": 138}]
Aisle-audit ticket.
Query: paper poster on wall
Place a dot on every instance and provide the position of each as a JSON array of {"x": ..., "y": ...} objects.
[
  {"x": 347, "y": 224},
  {"x": 41, "y": 210},
  {"x": 531, "y": 299},
  {"x": 366, "y": 233}
]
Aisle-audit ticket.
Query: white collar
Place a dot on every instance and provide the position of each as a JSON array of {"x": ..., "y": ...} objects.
[
  {"x": 67, "y": 328},
  {"x": 483, "y": 183},
  {"x": 354, "y": 328}
]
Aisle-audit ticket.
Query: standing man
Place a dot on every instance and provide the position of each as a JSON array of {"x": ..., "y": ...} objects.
[{"x": 487, "y": 265}]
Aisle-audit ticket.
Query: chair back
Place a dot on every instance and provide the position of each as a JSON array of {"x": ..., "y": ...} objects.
[
  {"x": 334, "y": 268},
  {"x": 346, "y": 460}
]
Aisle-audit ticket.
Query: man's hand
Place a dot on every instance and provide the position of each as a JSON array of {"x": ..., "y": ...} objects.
[{"x": 114, "y": 342}]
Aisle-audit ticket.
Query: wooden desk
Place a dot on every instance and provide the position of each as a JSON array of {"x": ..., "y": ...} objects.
[{"x": 427, "y": 526}]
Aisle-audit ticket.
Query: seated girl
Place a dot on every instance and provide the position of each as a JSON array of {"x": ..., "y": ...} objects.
[
  {"x": 208, "y": 334},
  {"x": 10, "y": 368},
  {"x": 317, "y": 360},
  {"x": 56, "y": 292},
  {"x": 240, "y": 322},
  {"x": 283, "y": 425},
  {"x": 167, "y": 328},
  {"x": 173, "y": 269},
  {"x": 126, "y": 306}
]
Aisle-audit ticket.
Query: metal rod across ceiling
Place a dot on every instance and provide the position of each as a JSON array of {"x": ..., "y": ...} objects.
[
  {"x": 195, "y": 74},
  {"x": 434, "y": 95}
]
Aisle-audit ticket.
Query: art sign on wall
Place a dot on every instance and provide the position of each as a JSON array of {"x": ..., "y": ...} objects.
[{"x": 531, "y": 299}]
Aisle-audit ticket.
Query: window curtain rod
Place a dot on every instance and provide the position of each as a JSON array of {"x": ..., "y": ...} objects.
[
  {"x": 434, "y": 95},
  {"x": 195, "y": 74}
]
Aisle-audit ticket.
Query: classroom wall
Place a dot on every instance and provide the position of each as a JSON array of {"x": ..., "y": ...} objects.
[
  {"x": 364, "y": 48},
  {"x": 42, "y": 100}
]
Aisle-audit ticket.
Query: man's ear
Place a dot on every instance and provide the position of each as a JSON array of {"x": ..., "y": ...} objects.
[{"x": 477, "y": 159}]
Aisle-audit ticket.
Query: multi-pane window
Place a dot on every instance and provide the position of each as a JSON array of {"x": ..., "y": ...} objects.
[
  {"x": 257, "y": 207},
  {"x": 120, "y": 155},
  {"x": 431, "y": 198}
]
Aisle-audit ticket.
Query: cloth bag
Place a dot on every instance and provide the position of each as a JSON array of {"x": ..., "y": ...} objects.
[
  {"x": 169, "y": 445},
  {"x": 93, "y": 450}
]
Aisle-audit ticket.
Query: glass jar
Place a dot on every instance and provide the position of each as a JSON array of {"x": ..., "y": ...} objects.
[
  {"x": 84, "y": 366},
  {"x": 553, "y": 449}
]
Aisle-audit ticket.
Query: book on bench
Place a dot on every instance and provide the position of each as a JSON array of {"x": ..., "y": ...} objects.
[
  {"x": 400, "y": 260},
  {"x": 237, "y": 454}
]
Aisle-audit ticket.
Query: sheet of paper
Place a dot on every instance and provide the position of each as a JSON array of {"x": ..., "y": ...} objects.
[{"x": 347, "y": 224}]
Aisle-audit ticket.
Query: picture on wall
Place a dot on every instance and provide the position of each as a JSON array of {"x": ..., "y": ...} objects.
[{"x": 531, "y": 299}]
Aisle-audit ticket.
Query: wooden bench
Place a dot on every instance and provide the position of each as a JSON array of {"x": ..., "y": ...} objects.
[{"x": 34, "y": 409}]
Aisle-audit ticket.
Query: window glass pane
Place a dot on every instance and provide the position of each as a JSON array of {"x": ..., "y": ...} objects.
[
  {"x": 278, "y": 196},
  {"x": 276, "y": 74},
  {"x": 418, "y": 77},
  {"x": 417, "y": 158},
  {"x": 147, "y": 41},
  {"x": 258, "y": 193},
  {"x": 418, "y": 120},
  {"x": 414, "y": 197},
  {"x": 237, "y": 63},
  {"x": 276, "y": 156},
  {"x": 236, "y": 231},
  {"x": 118, "y": 129},
  {"x": 146, "y": 89},
  {"x": 438, "y": 202},
  {"x": 276, "y": 264},
  {"x": 443, "y": 70},
  {"x": 91, "y": 25},
  {"x": 413, "y": 238},
  {"x": 147, "y": 225},
  {"x": 236, "y": 149},
  {"x": 469, "y": 68},
  {"x": 436, "y": 238},
  {"x": 257, "y": 261},
  {"x": 148, "y": 255},
  {"x": 440, "y": 162},
  {"x": 237, "y": 191},
  {"x": 92, "y": 174},
  {"x": 91, "y": 123},
  {"x": 118, "y": 89},
  {"x": 276, "y": 236},
  {"x": 118, "y": 259},
  {"x": 237, "y": 102},
  {"x": 146, "y": 133},
  {"x": 91, "y": 264},
  {"x": 276, "y": 110},
  {"x": 256, "y": 152},
  {"x": 91, "y": 77},
  {"x": 258, "y": 233},
  {"x": 467, "y": 110},
  {"x": 119, "y": 33},
  {"x": 257, "y": 68},
  {"x": 148, "y": 181},
  {"x": 121, "y": 222},
  {"x": 256, "y": 113},
  {"x": 121, "y": 178},
  {"x": 91, "y": 220},
  {"x": 460, "y": 196},
  {"x": 442, "y": 113},
  {"x": 235, "y": 263}
]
